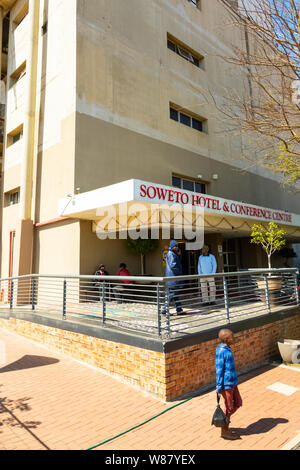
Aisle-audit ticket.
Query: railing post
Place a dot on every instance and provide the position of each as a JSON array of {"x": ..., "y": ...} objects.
[
  {"x": 103, "y": 303},
  {"x": 65, "y": 300},
  {"x": 158, "y": 310},
  {"x": 267, "y": 293},
  {"x": 296, "y": 288},
  {"x": 226, "y": 298},
  {"x": 167, "y": 305},
  {"x": 33, "y": 293},
  {"x": 11, "y": 298}
]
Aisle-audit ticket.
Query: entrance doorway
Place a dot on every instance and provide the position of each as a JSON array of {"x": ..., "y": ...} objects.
[
  {"x": 189, "y": 260},
  {"x": 231, "y": 255}
]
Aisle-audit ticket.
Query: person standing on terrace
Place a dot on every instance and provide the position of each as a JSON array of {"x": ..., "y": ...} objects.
[
  {"x": 207, "y": 264},
  {"x": 173, "y": 268}
]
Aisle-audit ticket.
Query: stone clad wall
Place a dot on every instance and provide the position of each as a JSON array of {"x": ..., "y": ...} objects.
[
  {"x": 167, "y": 375},
  {"x": 138, "y": 367},
  {"x": 192, "y": 367}
]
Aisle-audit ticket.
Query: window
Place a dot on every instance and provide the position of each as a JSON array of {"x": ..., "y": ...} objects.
[
  {"x": 19, "y": 73},
  {"x": 184, "y": 51},
  {"x": 188, "y": 185},
  {"x": 17, "y": 137},
  {"x": 184, "y": 119},
  {"x": 12, "y": 197},
  {"x": 14, "y": 136},
  {"x": 187, "y": 118}
]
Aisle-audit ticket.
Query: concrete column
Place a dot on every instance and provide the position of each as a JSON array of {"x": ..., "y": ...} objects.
[
  {"x": 24, "y": 232},
  {"x": 30, "y": 111}
]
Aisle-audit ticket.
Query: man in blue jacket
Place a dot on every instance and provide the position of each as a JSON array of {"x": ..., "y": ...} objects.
[
  {"x": 173, "y": 268},
  {"x": 207, "y": 265}
]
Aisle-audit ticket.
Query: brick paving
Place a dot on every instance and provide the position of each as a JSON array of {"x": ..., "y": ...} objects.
[{"x": 49, "y": 401}]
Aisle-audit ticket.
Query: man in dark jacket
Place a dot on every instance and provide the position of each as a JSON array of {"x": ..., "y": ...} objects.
[
  {"x": 173, "y": 268},
  {"x": 98, "y": 282}
]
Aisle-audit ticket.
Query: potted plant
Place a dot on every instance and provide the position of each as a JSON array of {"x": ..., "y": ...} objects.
[
  {"x": 142, "y": 247},
  {"x": 271, "y": 239}
]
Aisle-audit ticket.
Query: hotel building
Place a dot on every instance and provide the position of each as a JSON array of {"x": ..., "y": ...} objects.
[{"x": 107, "y": 102}]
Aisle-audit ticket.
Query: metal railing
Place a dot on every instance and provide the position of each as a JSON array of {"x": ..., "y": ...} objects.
[{"x": 157, "y": 306}]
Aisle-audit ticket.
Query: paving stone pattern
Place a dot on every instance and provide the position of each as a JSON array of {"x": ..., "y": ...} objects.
[{"x": 49, "y": 401}]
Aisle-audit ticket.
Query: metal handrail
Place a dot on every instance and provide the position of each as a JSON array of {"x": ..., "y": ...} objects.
[
  {"x": 251, "y": 271},
  {"x": 151, "y": 301}
]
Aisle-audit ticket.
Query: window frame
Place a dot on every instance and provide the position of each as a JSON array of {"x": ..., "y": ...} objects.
[
  {"x": 15, "y": 136},
  {"x": 194, "y": 119},
  {"x": 12, "y": 197},
  {"x": 189, "y": 180},
  {"x": 17, "y": 74},
  {"x": 184, "y": 51}
]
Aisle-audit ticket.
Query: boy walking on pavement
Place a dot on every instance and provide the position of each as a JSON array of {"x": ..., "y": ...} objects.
[{"x": 226, "y": 380}]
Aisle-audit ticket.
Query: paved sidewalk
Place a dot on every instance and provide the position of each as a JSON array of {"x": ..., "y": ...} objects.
[{"x": 48, "y": 401}]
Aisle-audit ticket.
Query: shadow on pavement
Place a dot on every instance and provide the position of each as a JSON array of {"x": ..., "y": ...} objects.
[
  {"x": 261, "y": 426},
  {"x": 8, "y": 417},
  {"x": 28, "y": 362}
]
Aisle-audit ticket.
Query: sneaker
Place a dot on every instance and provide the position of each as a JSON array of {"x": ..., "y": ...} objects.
[
  {"x": 179, "y": 310},
  {"x": 230, "y": 435}
]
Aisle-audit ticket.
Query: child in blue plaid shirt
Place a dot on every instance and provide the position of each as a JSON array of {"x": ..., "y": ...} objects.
[{"x": 226, "y": 380}]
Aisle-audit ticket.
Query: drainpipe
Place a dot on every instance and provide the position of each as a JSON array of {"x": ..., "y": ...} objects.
[{"x": 30, "y": 111}]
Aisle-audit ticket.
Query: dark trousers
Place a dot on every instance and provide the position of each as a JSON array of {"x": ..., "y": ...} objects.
[{"x": 173, "y": 299}]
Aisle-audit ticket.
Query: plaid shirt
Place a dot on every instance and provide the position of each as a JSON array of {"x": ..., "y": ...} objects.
[{"x": 225, "y": 369}]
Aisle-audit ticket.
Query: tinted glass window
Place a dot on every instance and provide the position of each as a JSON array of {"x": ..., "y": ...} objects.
[
  {"x": 171, "y": 46},
  {"x": 196, "y": 61},
  {"x": 17, "y": 137},
  {"x": 173, "y": 114},
  {"x": 196, "y": 124},
  {"x": 186, "y": 120},
  {"x": 200, "y": 188},
  {"x": 176, "y": 182},
  {"x": 188, "y": 185}
]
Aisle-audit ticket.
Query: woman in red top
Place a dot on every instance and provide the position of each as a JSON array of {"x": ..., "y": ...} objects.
[
  {"x": 123, "y": 271},
  {"x": 120, "y": 289}
]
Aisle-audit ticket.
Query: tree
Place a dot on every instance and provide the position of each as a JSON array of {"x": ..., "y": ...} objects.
[
  {"x": 142, "y": 247},
  {"x": 267, "y": 111},
  {"x": 271, "y": 239}
]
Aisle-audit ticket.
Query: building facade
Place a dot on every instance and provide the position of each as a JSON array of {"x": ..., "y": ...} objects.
[{"x": 101, "y": 92}]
